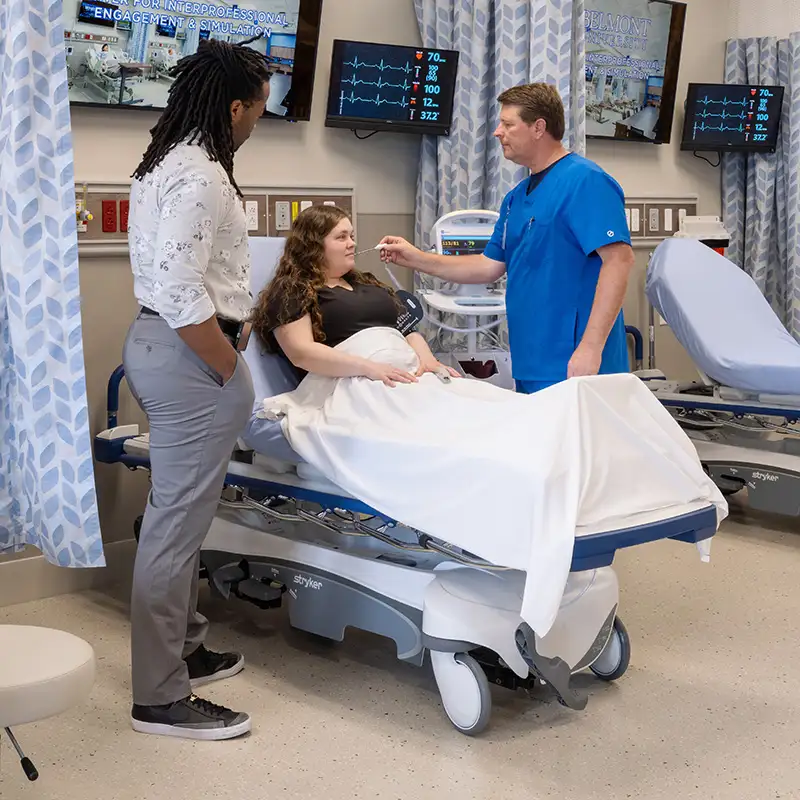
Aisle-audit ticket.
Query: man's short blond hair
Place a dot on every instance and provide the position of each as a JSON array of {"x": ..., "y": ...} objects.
[{"x": 538, "y": 101}]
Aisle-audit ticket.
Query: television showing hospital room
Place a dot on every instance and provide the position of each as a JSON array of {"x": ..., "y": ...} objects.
[
  {"x": 633, "y": 52},
  {"x": 380, "y": 87},
  {"x": 120, "y": 54},
  {"x": 730, "y": 118}
]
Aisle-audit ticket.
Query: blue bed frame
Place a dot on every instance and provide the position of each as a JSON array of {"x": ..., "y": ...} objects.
[{"x": 590, "y": 552}]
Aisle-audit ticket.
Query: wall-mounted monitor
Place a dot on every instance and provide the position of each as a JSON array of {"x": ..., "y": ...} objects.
[
  {"x": 633, "y": 53},
  {"x": 725, "y": 118},
  {"x": 380, "y": 87},
  {"x": 94, "y": 12},
  {"x": 133, "y": 70},
  {"x": 168, "y": 28}
]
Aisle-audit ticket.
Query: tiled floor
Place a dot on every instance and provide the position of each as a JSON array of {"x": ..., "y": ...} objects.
[{"x": 710, "y": 707}]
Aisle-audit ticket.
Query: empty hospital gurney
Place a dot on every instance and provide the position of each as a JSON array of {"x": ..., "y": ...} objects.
[
  {"x": 742, "y": 413},
  {"x": 286, "y": 535}
]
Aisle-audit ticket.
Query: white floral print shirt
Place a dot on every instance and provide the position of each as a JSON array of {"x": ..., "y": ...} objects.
[{"x": 187, "y": 233}]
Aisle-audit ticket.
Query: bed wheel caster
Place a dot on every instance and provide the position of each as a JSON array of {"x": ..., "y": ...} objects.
[
  {"x": 613, "y": 662},
  {"x": 464, "y": 689},
  {"x": 553, "y": 671}
]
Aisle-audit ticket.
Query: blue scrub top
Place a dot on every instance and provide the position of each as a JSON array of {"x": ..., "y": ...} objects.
[{"x": 548, "y": 241}]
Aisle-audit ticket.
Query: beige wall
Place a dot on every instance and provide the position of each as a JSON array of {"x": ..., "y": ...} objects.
[
  {"x": 764, "y": 18},
  {"x": 383, "y": 169}
]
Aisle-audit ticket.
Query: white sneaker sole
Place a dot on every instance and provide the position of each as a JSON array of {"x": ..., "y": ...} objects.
[
  {"x": 198, "y": 734},
  {"x": 219, "y": 676}
]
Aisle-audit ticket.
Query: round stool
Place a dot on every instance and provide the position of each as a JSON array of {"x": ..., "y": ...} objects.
[{"x": 43, "y": 672}]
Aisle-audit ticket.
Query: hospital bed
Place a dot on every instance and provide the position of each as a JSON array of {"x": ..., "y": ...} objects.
[
  {"x": 163, "y": 61},
  {"x": 742, "y": 413},
  {"x": 285, "y": 534},
  {"x": 106, "y": 75}
]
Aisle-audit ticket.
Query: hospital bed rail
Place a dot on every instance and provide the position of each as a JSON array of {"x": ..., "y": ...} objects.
[{"x": 590, "y": 551}]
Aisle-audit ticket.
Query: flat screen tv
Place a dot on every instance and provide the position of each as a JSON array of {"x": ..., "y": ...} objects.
[
  {"x": 730, "y": 118},
  {"x": 381, "y": 87},
  {"x": 168, "y": 29},
  {"x": 94, "y": 12},
  {"x": 289, "y": 39},
  {"x": 633, "y": 53}
]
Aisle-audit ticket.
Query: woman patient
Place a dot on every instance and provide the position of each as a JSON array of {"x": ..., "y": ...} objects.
[{"x": 318, "y": 299}]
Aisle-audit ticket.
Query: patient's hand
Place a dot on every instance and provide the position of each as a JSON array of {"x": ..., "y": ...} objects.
[
  {"x": 430, "y": 364},
  {"x": 388, "y": 374}
]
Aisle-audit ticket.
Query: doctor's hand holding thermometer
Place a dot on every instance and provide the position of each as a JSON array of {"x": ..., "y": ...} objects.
[{"x": 562, "y": 237}]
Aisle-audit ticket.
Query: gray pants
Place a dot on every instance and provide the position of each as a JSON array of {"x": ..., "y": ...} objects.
[{"x": 194, "y": 423}]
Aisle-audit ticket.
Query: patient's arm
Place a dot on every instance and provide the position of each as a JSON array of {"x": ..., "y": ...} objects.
[{"x": 297, "y": 341}]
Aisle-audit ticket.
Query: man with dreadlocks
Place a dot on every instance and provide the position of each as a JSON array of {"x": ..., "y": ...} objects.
[{"x": 191, "y": 269}]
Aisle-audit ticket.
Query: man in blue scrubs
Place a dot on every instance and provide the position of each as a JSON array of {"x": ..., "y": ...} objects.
[{"x": 563, "y": 240}]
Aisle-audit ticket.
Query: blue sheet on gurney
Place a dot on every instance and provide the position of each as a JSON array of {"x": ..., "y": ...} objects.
[
  {"x": 508, "y": 477},
  {"x": 722, "y": 319}
]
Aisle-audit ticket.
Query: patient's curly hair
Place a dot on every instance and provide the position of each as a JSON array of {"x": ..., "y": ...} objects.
[{"x": 301, "y": 274}]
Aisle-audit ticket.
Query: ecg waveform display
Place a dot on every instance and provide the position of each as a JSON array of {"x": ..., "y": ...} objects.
[
  {"x": 397, "y": 86},
  {"x": 732, "y": 117}
]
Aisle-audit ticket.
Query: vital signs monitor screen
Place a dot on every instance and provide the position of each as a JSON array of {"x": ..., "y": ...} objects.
[
  {"x": 381, "y": 87},
  {"x": 464, "y": 245},
  {"x": 732, "y": 117}
]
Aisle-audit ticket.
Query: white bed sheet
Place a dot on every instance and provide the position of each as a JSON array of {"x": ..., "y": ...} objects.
[{"x": 506, "y": 476}]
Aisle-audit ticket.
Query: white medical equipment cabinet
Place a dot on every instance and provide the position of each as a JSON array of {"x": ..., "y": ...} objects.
[{"x": 476, "y": 347}]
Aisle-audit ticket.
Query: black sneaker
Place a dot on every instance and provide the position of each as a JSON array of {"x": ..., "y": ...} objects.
[
  {"x": 191, "y": 718},
  {"x": 206, "y": 666}
]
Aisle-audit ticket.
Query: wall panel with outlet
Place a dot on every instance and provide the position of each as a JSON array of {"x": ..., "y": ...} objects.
[
  {"x": 269, "y": 211},
  {"x": 285, "y": 207},
  {"x": 652, "y": 219},
  {"x": 255, "y": 210}
]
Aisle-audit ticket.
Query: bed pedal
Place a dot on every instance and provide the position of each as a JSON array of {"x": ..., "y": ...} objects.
[
  {"x": 238, "y": 580},
  {"x": 553, "y": 671}
]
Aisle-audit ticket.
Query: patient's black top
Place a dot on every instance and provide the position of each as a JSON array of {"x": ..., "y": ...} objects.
[{"x": 345, "y": 313}]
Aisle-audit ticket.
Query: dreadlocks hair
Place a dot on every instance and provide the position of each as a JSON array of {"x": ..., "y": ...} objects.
[
  {"x": 301, "y": 274},
  {"x": 206, "y": 83}
]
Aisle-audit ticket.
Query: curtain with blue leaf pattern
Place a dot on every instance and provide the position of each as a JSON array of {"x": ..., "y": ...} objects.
[
  {"x": 47, "y": 490},
  {"x": 761, "y": 205}
]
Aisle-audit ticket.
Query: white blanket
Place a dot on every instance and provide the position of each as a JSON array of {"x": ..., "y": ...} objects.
[{"x": 506, "y": 476}]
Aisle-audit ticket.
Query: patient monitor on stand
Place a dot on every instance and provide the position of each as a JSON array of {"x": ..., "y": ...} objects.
[{"x": 478, "y": 345}]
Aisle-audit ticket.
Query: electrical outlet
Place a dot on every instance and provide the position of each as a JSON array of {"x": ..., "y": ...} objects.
[
  {"x": 653, "y": 220},
  {"x": 681, "y": 215},
  {"x": 329, "y": 203},
  {"x": 124, "y": 208},
  {"x": 251, "y": 212},
  {"x": 628, "y": 217},
  {"x": 283, "y": 220},
  {"x": 668, "y": 216},
  {"x": 306, "y": 204},
  {"x": 635, "y": 220},
  {"x": 109, "y": 216}
]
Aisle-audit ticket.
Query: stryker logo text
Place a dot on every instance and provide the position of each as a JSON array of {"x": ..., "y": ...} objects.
[{"x": 308, "y": 583}]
